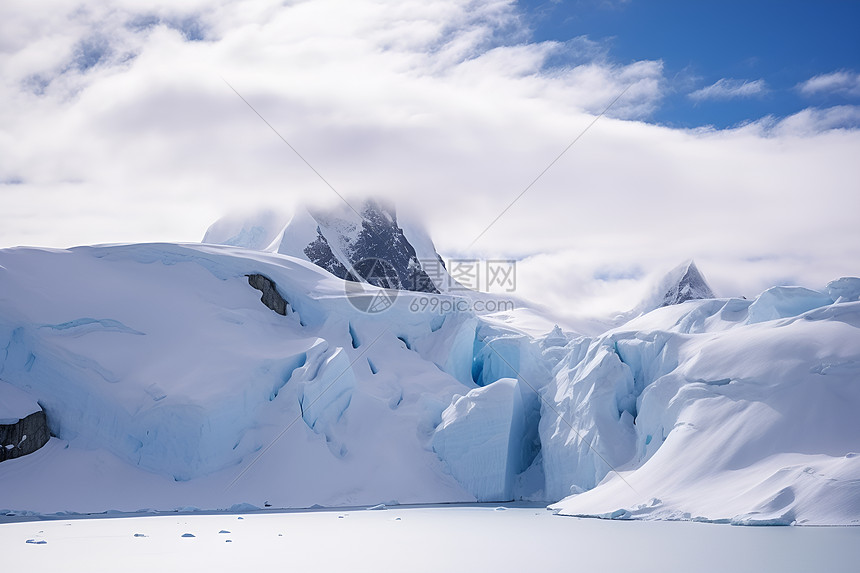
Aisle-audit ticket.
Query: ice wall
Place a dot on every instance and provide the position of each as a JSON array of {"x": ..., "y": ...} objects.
[{"x": 480, "y": 439}]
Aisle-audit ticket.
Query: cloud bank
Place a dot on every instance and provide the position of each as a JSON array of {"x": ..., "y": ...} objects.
[{"x": 119, "y": 127}]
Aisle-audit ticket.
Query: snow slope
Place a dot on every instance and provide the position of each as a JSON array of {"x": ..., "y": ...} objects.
[
  {"x": 251, "y": 231},
  {"x": 706, "y": 411},
  {"x": 164, "y": 377},
  {"x": 167, "y": 384}
]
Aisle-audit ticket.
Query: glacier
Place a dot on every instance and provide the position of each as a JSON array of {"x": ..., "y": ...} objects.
[
  {"x": 480, "y": 438},
  {"x": 167, "y": 383},
  {"x": 705, "y": 411}
]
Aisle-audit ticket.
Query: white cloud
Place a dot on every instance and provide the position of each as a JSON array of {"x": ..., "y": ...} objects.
[
  {"x": 727, "y": 88},
  {"x": 841, "y": 82},
  {"x": 815, "y": 120},
  {"x": 444, "y": 106}
]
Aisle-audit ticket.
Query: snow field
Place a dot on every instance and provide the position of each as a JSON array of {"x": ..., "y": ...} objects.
[{"x": 475, "y": 539}]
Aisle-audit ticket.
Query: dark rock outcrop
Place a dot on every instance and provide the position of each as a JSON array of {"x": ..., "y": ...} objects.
[
  {"x": 319, "y": 253},
  {"x": 271, "y": 297},
  {"x": 24, "y": 436}
]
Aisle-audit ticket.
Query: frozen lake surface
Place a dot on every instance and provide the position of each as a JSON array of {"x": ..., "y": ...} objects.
[{"x": 423, "y": 538}]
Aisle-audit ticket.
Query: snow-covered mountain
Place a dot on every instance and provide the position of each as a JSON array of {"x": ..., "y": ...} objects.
[
  {"x": 361, "y": 244},
  {"x": 169, "y": 380},
  {"x": 681, "y": 284},
  {"x": 684, "y": 283}
]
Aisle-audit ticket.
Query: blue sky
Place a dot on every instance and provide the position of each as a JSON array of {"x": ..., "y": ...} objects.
[{"x": 777, "y": 43}]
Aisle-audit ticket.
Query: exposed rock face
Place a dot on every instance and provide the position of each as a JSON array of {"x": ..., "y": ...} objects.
[
  {"x": 319, "y": 253},
  {"x": 376, "y": 236},
  {"x": 690, "y": 285},
  {"x": 681, "y": 284},
  {"x": 271, "y": 297},
  {"x": 364, "y": 243},
  {"x": 24, "y": 436}
]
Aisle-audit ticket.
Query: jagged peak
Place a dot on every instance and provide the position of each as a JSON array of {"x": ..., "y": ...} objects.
[
  {"x": 338, "y": 237},
  {"x": 685, "y": 282}
]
